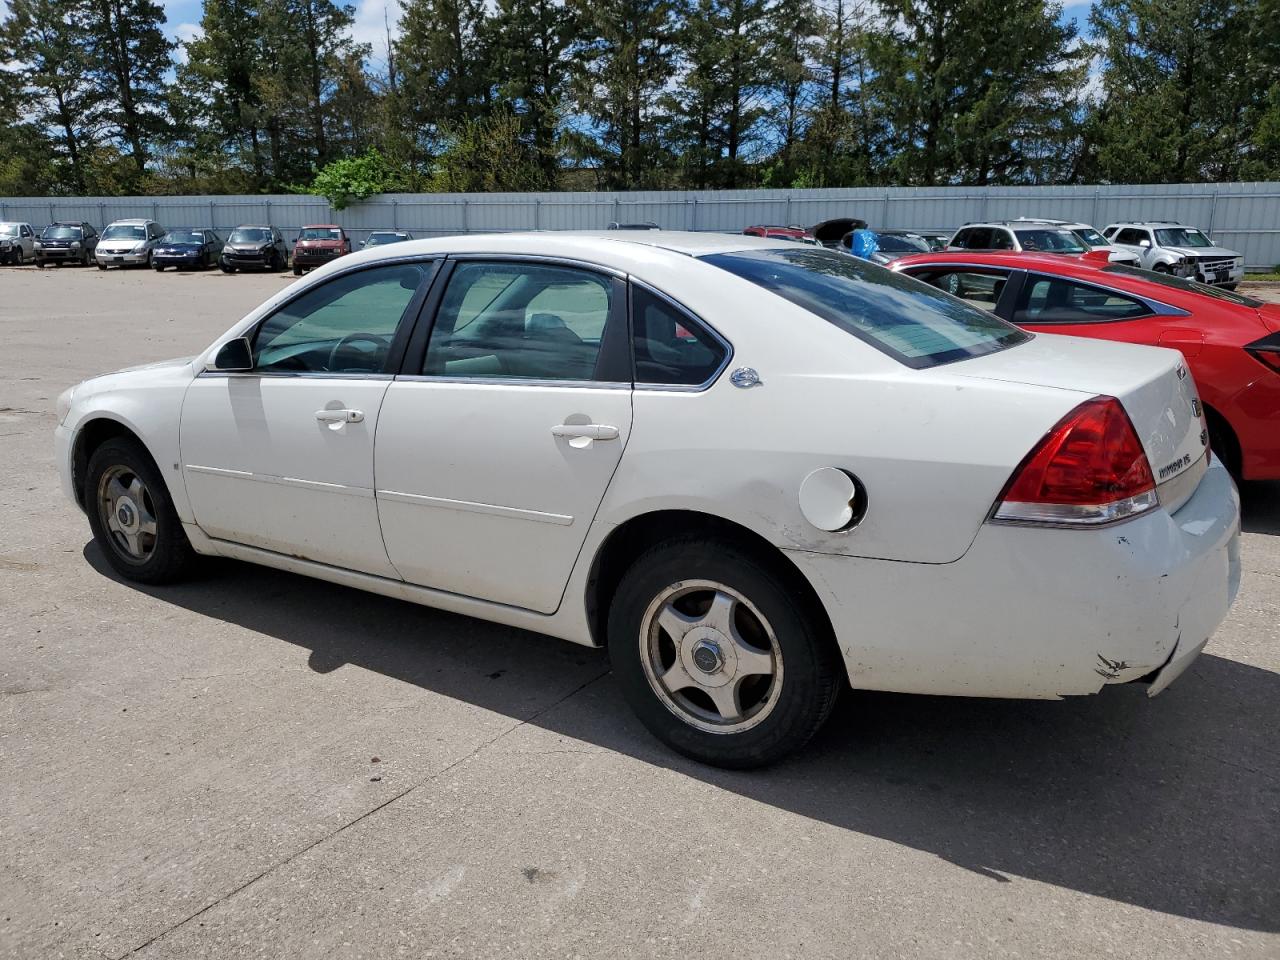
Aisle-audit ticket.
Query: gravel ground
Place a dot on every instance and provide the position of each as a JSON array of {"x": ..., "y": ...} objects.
[{"x": 255, "y": 764}]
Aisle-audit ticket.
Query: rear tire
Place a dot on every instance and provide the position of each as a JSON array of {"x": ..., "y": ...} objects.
[
  {"x": 753, "y": 674},
  {"x": 132, "y": 515}
]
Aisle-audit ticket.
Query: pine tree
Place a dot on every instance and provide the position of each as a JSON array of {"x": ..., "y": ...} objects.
[
  {"x": 47, "y": 41},
  {"x": 129, "y": 56},
  {"x": 531, "y": 39},
  {"x": 973, "y": 90},
  {"x": 627, "y": 57}
]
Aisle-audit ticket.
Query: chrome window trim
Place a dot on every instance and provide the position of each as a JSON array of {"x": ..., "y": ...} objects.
[
  {"x": 295, "y": 374},
  {"x": 715, "y": 334},
  {"x": 513, "y": 381},
  {"x": 541, "y": 259}
]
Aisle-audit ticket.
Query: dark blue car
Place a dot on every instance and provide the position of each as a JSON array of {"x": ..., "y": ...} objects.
[{"x": 192, "y": 248}]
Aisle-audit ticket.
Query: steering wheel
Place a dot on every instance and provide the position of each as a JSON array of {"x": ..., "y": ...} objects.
[{"x": 379, "y": 341}]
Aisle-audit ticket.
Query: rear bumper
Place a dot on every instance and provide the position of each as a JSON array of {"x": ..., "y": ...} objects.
[{"x": 1041, "y": 613}]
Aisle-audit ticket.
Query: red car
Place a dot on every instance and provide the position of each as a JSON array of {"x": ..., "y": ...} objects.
[
  {"x": 1231, "y": 341},
  {"x": 318, "y": 243},
  {"x": 799, "y": 234}
]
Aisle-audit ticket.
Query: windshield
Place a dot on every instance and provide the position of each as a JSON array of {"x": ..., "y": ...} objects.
[
  {"x": 250, "y": 235},
  {"x": 1050, "y": 241},
  {"x": 124, "y": 231},
  {"x": 1187, "y": 286},
  {"x": 916, "y": 324},
  {"x": 184, "y": 236},
  {"x": 377, "y": 238},
  {"x": 1090, "y": 236},
  {"x": 320, "y": 233},
  {"x": 58, "y": 231},
  {"x": 1182, "y": 237},
  {"x": 896, "y": 243},
  {"x": 8, "y": 229}
]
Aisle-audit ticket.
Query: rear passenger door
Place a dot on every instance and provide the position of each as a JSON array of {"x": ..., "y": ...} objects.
[{"x": 498, "y": 440}]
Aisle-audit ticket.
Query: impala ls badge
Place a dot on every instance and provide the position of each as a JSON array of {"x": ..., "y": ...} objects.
[{"x": 745, "y": 377}]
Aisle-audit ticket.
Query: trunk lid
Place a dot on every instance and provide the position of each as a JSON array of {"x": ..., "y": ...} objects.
[{"x": 1153, "y": 385}]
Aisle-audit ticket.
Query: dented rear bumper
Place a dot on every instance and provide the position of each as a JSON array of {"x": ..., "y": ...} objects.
[{"x": 1041, "y": 613}]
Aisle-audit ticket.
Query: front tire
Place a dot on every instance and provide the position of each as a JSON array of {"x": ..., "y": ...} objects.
[
  {"x": 717, "y": 657},
  {"x": 132, "y": 515}
]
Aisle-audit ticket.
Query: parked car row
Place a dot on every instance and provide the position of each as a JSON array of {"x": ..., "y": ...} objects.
[
  {"x": 145, "y": 243},
  {"x": 1164, "y": 246}
]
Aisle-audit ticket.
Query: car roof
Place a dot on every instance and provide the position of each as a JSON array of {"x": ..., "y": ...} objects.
[
  {"x": 321, "y": 226},
  {"x": 253, "y": 226},
  {"x": 131, "y": 220}
]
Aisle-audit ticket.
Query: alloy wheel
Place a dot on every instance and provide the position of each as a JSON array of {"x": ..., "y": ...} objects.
[
  {"x": 128, "y": 513},
  {"x": 710, "y": 656}
]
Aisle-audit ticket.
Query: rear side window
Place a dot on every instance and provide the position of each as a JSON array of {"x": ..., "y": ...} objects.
[
  {"x": 910, "y": 321},
  {"x": 1054, "y": 300},
  {"x": 671, "y": 348}
]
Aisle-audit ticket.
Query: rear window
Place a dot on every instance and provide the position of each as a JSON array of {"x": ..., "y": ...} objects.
[
  {"x": 1187, "y": 286},
  {"x": 916, "y": 324}
]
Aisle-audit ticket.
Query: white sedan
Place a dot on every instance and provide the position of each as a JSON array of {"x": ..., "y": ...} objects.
[{"x": 758, "y": 472}]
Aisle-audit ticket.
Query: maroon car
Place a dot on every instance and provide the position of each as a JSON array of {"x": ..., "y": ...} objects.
[
  {"x": 317, "y": 244},
  {"x": 774, "y": 232}
]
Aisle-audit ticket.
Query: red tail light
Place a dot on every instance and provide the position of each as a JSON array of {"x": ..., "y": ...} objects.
[{"x": 1089, "y": 469}]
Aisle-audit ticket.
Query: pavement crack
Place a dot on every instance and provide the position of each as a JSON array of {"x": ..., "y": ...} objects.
[{"x": 360, "y": 819}]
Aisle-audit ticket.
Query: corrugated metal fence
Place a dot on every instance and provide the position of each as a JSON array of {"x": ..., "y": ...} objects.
[{"x": 1241, "y": 216}]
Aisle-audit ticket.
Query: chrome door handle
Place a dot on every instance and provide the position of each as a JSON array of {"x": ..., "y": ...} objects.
[
  {"x": 585, "y": 431},
  {"x": 340, "y": 416}
]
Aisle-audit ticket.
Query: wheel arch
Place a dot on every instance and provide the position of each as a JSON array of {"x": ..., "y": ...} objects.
[
  {"x": 92, "y": 434},
  {"x": 637, "y": 534}
]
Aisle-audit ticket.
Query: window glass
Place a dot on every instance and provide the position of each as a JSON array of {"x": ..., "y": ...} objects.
[
  {"x": 343, "y": 326},
  {"x": 61, "y": 231},
  {"x": 1090, "y": 236},
  {"x": 1050, "y": 241},
  {"x": 8, "y": 230},
  {"x": 1186, "y": 286},
  {"x": 251, "y": 235},
  {"x": 1182, "y": 237},
  {"x": 125, "y": 231},
  {"x": 910, "y": 321},
  {"x": 184, "y": 236},
  {"x": 670, "y": 346},
  {"x": 901, "y": 243},
  {"x": 1054, "y": 300},
  {"x": 519, "y": 320},
  {"x": 320, "y": 233},
  {"x": 1131, "y": 236},
  {"x": 1000, "y": 240},
  {"x": 982, "y": 288}
]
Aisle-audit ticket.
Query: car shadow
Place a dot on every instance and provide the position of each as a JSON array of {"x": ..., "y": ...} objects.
[
  {"x": 1260, "y": 507},
  {"x": 1168, "y": 804}
]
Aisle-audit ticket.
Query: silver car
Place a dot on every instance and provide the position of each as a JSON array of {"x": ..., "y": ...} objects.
[
  {"x": 128, "y": 243},
  {"x": 17, "y": 242}
]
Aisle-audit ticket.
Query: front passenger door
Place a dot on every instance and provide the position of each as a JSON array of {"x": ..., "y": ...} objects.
[{"x": 281, "y": 457}]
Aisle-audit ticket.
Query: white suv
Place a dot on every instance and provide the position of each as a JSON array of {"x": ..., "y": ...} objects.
[
  {"x": 1033, "y": 236},
  {"x": 128, "y": 242},
  {"x": 17, "y": 243},
  {"x": 1169, "y": 247}
]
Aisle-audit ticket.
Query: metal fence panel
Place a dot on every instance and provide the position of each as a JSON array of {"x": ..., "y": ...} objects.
[{"x": 1242, "y": 216}]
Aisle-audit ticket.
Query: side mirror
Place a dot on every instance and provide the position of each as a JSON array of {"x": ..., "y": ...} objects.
[
  {"x": 1144, "y": 242},
  {"x": 234, "y": 356}
]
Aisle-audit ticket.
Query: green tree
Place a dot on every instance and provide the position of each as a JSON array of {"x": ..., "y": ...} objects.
[
  {"x": 531, "y": 39},
  {"x": 221, "y": 69},
  {"x": 1181, "y": 94},
  {"x": 627, "y": 57},
  {"x": 53, "y": 87},
  {"x": 719, "y": 110},
  {"x": 972, "y": 90},
  {"x": 486, "y": 154},
  {"x": 129, "y": 56}
]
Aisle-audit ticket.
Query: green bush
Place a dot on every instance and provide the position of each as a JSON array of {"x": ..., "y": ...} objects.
[{"x": 353, "y": 179}]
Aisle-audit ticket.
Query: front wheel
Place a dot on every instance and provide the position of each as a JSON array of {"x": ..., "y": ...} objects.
[
  {"x": 101, "y": 265},
  {"x": 132, "y": 516},
  {"x": 718, "y": 658},
  {"x": 18, "y": 257},
  {"x": 226, "y": 267}
]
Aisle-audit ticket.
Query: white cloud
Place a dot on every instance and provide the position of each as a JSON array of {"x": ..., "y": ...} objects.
[
  {"x": 370, "y": 27},
  {"x": 185, "y": 33}
]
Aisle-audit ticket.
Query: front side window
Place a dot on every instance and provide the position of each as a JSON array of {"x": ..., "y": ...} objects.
[
  {"x": 519, "y": 321},
  {"x": 1055, "y": 300},
  {"x": 1050, "y": 241},
  {"x": 1000, "y": 240},
  {"x": 671, "y": 347},
  {"x": 125, "y": 231},
  {"x": 1182, "y": 237},
  {"x": 917, "y": 325},
  {"x": 343, "y": 326},
  {"x": 982, "y": 288}
]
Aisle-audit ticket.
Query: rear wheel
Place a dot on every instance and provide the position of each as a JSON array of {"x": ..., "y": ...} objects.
[
  {"x": 717, "y": 657},
  {"x": 132, "y": 516}
]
